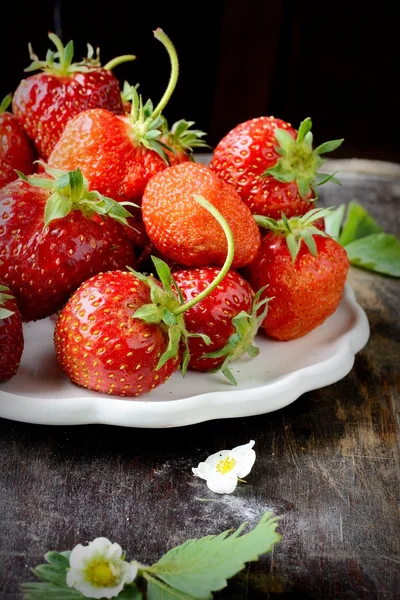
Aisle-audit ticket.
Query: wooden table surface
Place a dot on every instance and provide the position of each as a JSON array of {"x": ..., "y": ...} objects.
[{"x": 328, "y": 464}]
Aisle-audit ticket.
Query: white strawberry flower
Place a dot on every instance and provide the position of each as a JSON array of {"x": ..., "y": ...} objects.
[
  {"x": 223, "y": 469},
  {"x": 99, "y": 570}
]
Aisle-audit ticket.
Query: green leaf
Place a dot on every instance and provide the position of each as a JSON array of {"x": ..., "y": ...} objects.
[
  {"x": 58, "y": 558},
  {"x": 77, "y": 184},
  {"x": 304, "y": 129},
  {"x": 157, "y": 590},
  {"x": 325, "y": 177},
  {"x": 55, "y": 574},
  {"x": 378, "y": 252},
  {"x": 199, "y": 567},
  {"x": 168, "y": 317},
  {"x": 5, "y": 313},
  {"x": 304, "y": 187},
  {"x": 174, "y": 334},
  {"x": 285, "y": 140},
  {"x": 293, "y": 244},
  {"x": 130, "y": 592},
  {"x": 163, "y": 272},
  {"x": 57, "y": 207},
  {"x": 149, "y": 313},
  {"x": 48, "y": 591},
  {"x": 309, "y": 240},
  {"x": 328, "y": 146},
  {"x": 228, "y": 373},
  {"x": 358, "y": 224},
  {"x": 5, "y": 103},
  {"x": 333, "y": 221}
]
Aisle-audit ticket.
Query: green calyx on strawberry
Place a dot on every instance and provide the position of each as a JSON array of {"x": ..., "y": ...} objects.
[
  {"x": 60, "y": 62},
  {"x": 146, "y": 122},
  {"x": 299, "y": 162},
  {"x": 297, "y": 229},
  {"x": 168, "y": 305},
  {"x": 70, "y": 192},
  {"x": 4, "y": 296},
  {"x": 5, "y": 103},
  {"x": 241, "y": 342},
  {"x": 181, "y": 138}
]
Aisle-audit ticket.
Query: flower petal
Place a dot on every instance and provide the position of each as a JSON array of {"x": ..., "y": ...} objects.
[
  {"x": 245, "y": 457},
  {"x": 202, "y": 470},
  {"x": 89, "y": 591},
  {"x": 222, "y": 484}
]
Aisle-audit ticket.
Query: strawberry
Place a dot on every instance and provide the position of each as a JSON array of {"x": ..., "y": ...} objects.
[
  {"x": 118, "y": 154},
  {"x": 228, "y": 316},
  {"x": 183, "y": 231},
  {"x": 102, "y": 346},
  {"x": 16, "y": 149},
  {"x": 46, "y": 101},
  {"x": 273, "y": 167},
  {"x": 304, "y": 270},
  {"x": 11, "y": 336},
  {"x": 125, "y": 333},
  {"x": 54, "y": 236}
]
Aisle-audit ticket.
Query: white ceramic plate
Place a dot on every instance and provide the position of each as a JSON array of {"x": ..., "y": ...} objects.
[{"x": 41, "y": 393}]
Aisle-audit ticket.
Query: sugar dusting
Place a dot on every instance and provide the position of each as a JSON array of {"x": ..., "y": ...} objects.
[{"x": 234, "y": 507}]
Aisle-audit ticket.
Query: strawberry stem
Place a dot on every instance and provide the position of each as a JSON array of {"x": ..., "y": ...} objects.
[
  {"x": 119, "y": 60},
  {"x": 228, "y": 261},
  {"x": 168, "y": 45}
]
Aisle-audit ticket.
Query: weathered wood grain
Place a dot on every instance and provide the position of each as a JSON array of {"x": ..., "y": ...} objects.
[{"x": 328, "y": 464}]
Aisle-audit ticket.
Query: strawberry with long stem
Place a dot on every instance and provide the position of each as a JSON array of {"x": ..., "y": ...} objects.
[
  {"x": 131, "y": 328},
  {"x": 46, "y": 101},
  {"x": 119, "y": 154}
]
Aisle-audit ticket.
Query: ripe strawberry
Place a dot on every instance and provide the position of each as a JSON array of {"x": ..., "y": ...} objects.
[
  {"x": 11, "y": 336},
  {"x": 102, "y": 346},
  {"x": 16, "y": 149},
  {"x": 304, "y": 270},
  {"x": 125, "y": 333},
  {"x": 228, "y": 316},
  {"x": 54, "y": 236},
  {"x": 118, "y": 154},
  {"x": 273, "y": 167},
  {"x": 183, "y": 231},
  {"x": 45, "y": 102}
]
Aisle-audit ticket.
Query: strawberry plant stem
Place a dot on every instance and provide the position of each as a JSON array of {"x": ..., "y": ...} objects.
[
  {"x": 164, "y": 39},
  {"x": 118, "y": 60},
  {"x": 228, "y": 261}
]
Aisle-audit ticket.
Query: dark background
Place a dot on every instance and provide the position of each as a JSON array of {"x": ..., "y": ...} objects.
[{"x": 240, "y": 59}]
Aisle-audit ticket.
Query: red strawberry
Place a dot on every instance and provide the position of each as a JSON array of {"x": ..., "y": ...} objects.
[
  {"x": 52, "y": 239},
  {"x": 45, "y": 102},
  {"x": 228, "y": 316},
  {"x": 118, "y": 154},
  {"x": 125, "y": 333},
  {"x": 103, "y": 347},
  {"x": 273, "y": 167},
  {"x": 11, "y": 337},
  {"x": 183, "y": 231},
  {"x": 304, "y": 270},
  {"x": 16, "y": 149}
]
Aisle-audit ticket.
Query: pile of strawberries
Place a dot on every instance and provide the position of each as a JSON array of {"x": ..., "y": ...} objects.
[{"x": 150, "y": 261}]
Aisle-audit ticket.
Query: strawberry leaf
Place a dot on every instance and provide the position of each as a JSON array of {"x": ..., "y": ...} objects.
[
  {"x": 358, "y": 224},
  {"x": 174, "y": 336},
  {"x": 329, "y": 146},
  {"x": 378, "y": 252},
  {"x": 200, "y": 566}
]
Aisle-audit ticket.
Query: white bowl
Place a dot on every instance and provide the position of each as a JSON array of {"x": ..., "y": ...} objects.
[{"x": 41, "y": 393}]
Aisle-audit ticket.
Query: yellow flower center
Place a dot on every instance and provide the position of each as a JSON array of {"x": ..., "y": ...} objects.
[
  {"x": 101, "y": 573},
  {"x": 225, "y": 465}
]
